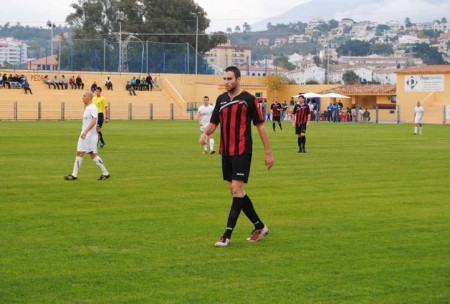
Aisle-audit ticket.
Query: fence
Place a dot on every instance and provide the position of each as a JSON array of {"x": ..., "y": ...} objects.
[{"x": 61, "y": 111}]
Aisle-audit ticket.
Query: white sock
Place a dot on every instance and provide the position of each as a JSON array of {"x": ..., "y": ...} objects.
[
  {"x": 420, "y": 130},
  {"x": 415, "y": 130},
  {"x": 77, "y": 165},
  {"x": 99, "y": 162},
  {"x": 205, "y": 147},
  {"x": 211, "y": 144}
]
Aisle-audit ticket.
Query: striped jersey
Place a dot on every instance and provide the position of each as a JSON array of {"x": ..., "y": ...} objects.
[
  {"x": 276, "y": 109},
  {"x": 301, "y": 113},
  {"x": 235, "y": 117}
]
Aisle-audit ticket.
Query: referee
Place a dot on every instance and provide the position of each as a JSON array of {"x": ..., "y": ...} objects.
[{"x": 102, "y": 107}]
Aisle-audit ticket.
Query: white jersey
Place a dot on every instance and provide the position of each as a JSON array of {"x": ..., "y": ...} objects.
[
  {"x": 90, "y": 112},
  {"x": 205, "y": 114},
  {"x": 419, "y": 114},
  {"x": 89, "y": 144}
]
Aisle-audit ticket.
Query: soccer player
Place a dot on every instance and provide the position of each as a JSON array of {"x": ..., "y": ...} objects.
[
  {"x": 301, "y": 115},
  {"x": 102, "y": 107},
  {"x": 87, "y": 142},
  {"x": 204, "y": 116},
  {"x": 234, "y": 111},
  {"x": 418, "y": 116},
  {"x": 276, "y": 113}
]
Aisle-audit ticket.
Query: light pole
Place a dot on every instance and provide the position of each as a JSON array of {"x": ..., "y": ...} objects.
[
  {"x": 196, "y": 46},
  {"x": 51, "y": 25},
  {"x": 120, "y": 18}
]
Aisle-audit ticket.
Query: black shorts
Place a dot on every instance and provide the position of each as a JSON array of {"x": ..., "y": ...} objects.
[
  {"x": 236, "y": 167},
  {"x": 276, "y": 118},
  {"x": 100, "y": 120},
  {"x": 301, "y": 128}
]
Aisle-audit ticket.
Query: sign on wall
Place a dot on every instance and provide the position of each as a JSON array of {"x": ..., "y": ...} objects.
[{"x": 424, "y": 83}]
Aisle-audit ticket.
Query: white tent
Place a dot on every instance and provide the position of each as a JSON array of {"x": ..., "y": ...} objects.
[
  {"x": 309, "y": 95},
  {"x": 334, "y": 95}
]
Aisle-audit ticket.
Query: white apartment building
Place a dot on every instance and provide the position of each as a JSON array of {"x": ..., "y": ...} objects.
[
  {"x": 299, "y": 39},
  {"x": 13, "y": 51},
  {"x": 225, "y": 55}
]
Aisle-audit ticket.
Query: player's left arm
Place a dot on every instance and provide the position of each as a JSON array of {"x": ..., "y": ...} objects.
[
  {"x": 267, "y": 149},
  {"x": 106, "y": 112}
]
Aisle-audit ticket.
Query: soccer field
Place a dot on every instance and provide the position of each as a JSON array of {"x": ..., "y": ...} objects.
[{"x": 362, "y": 217}]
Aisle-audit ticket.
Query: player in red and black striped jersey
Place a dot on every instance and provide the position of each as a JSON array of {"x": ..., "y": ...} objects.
[
  {"x": 277, "y": 109},
  {"x": 235, "y": 111},
  {"x": 301, "y": 115}
]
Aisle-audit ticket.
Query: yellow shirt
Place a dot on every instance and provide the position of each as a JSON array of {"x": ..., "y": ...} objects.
[{"x": 100, "y": 102}]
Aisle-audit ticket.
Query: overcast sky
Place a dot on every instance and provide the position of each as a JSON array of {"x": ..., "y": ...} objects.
[{"x": 224, "y": 14}]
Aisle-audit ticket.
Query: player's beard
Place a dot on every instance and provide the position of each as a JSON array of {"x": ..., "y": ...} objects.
[{"x": 233, "y": 89}]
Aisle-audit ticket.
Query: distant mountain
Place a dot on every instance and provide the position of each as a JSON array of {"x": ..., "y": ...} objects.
[{"x": 361, "y": 10}]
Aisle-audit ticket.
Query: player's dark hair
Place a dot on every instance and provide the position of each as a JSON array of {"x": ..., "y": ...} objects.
[
  {"x": 235, "y": 70},
  {"x": 205, "y": 97},
  {"x": 98, "y": 89}
]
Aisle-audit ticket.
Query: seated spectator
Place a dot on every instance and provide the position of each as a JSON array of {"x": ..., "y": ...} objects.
[
  {"x": 133, "y": 83},
  {"x": 79, "y": 82},
  {"x": 144, "y": 85},
  {"x": 26, "y": 86},
  {"x": 138, "y": 84},
  {"x": 94, "y": 86},
  {"x": 108, "y": 83},
  {"x": 5, "y": 81},
  {"x": 72, "y": 82},
  {"x": 14, "y": 81},
  {"x": 130, "y": 89},
  {"x": 56, "y": 82},
  {"x": 49, "y": 82},
  {"x": 155, "y": 84},
  {"x": 64, "y": 83}
]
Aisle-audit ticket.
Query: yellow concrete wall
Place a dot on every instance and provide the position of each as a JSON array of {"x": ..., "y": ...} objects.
[{"x": 433, "y": 102}]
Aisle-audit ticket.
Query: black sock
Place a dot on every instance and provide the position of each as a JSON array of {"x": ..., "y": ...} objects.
[
  {"x": 281, "y": 128},
  {"x": 299, "y": 141},
  {"x": 303, "y": 141},
  {"x": 235, "y": 210},
  {"x": 273, "y": 125},
  {"x": 250, "y": 212},
  {"x": 101, "y": 137}
]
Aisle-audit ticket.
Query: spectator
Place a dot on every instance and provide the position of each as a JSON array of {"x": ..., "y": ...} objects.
[
  {"x": 349, "y": 114},
  {"x": 56, "y": 82},
  {"x": 366, "y": 115},
  {"x": 26, "y": 86},
  {"x": 108, "y": 83},
  {"x": 154, "y": 84},
  {"x": 49, "y": 82},
  {"x": 64, "y": 83},
  {"x": 72, "y": 82},
  {"x": 144, "y": 85},
  {"x": 130, "y": 89},
  {"x": 149, "y": 80},
  {"x": 5, "y": 81},
  {"x": 94, "y": 87},
  {"x": 133, "y": 83},
  {"x": 138, "y": 84},
  {"x": 79, "y": 82}
]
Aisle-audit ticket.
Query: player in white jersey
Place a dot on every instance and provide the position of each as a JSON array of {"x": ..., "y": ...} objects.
[
  {"x": 87, "y": 142},
  {"x": 418, "y": 116},
  {"x": 204, "y": 116}
]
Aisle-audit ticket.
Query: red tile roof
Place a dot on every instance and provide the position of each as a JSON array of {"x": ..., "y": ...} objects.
[
  {"x": 426, "y": 69},
  {"x": 363, "y": 89}
]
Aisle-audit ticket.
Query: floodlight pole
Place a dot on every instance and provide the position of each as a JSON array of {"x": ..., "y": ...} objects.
[{"x": 196, "y": 46}]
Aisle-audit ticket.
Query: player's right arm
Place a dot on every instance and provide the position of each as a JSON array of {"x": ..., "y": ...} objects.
[{"x": 208, "y": 131}]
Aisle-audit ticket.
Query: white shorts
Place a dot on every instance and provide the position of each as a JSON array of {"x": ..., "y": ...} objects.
[
  {"x": 418, "y": 120},
  {"x": 89, "y": 144}
]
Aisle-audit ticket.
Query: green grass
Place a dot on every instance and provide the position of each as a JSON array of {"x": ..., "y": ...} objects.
[{"x": 362, "y": 217}]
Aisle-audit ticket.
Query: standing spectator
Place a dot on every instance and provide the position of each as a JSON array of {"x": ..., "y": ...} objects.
[
  {"x": 5, "y": 81},
  {"x": 349, "y": 114},
  {"x": 26, "y": 86},
  {"x": 418, "y": 116},
  {"x": 234, "y": 111},
  {"x": 204, "y": 116},
  {"x": 276, "y": 113},
  {"x": 102, "y": 109},
  {"x": 330, "y": 111},
  {"x": 301, "y": 116},
  {"x": 133, "y": 83},
  {"x": 87, "y": 142},
  {"x": 149, "y": 80},
  {"x": 108, "y": 83},
  {"x": 72, "y": 82},
  {"x": 263, "y": 106},
  {"x": 284, "y": 107},
  {"x": 79, "y": 82}
]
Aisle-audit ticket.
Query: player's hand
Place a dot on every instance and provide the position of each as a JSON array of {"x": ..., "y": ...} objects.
[
  {"x": 106, "y": 120},
  {"x": 83, "y": 135},
  {"x": 202, "y": 139},
  {"x": 269, "y": 161}
]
